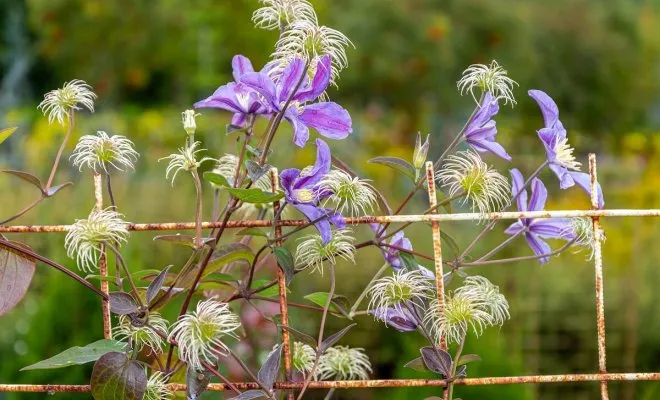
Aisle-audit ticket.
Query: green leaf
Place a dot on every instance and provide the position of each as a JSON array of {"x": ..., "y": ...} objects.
[
  {"x": 78, "y": 355},
  {"x": 285, "y": 261},
  {"x": 398, "y": 164},
  {"x": 417, "y": 364},
  {"x": 233, "y": 129},
  {"x": 270, "y": 292},
  {"x": 251, "y": 232},
  {"x": 16, "y": 272},
  {"x": 26, "y": 177},
  {"x": 468, "y": 358},
  {"x": 321, "y": 298},
  {"x": 216, "y": 179},
  {"x": 301, "y": 336},
  {"x": 256, "y": 171},
  {"x": 116, "y": 377},
  {"x": 255, "y": 196},
  {"x": 110, "y": 279},
  {"x": 150, "y": 274},
  {"x": 335, "y": 337},
  {"x": 450, "y": 242},
  {"x": 228, "y": 253},
  {"x": 408, "y": 261},
  {"x": 5, "y": 133}
]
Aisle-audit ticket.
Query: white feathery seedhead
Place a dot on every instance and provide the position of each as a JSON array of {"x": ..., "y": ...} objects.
[
  {"x": 309, "y": 41},
  {"x": 311, "y": 252},
  {"x": 157, "y": 388},
  {"x": 279, "y": 14},
  {"x": 488, "y": 78},
  {"x": 583, "y": 230},
  {"x": 477, "y": 305},
  {"x": 399, "y": 289},
  {"x": 302, "y": 357},
  {"x": 227, "y": 166},
  {"x": 351, "y": 196},
  {"x": 466, "y": 173},
  {"x": 185, "y": 160},
  {"x": 86, "y": 236},
  {"x": 58, "y": 103},
  {"x": 100, "y": 152},
  {"x": 199, "y": 334},
  {"x": 142, "y": 336},
  {"x": 344, "y": 363}
]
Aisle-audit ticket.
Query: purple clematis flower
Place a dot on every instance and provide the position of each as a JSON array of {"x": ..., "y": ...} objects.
[
  {"x": 391, "y": 255},
  {"x": 535, "y": 229},
  {"x": 327, "y": 117},
  {"x": 560, "y": 154},
  {"x": 399, "y": 318},
  {"x": 481, "y": 130},
  {"x": 302, "y": 192},
  {"x": 237, "y": 97}
]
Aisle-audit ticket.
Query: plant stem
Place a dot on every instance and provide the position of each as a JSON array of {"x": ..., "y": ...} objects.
[
  {"x": 319, "y": 343},
  {"x": 454, "y": 366},
  {"x": 377, "y": 275},
  {"x": 24, "y": 210},
  {"x": 59, "y": 152},
  {"x": 32, "y": 254},
  {"x": 251, "y": 374},
  {"x": 226, "y": 381},
  {"x": 119, "y": 257},
  {"x": 500, "y": 246},
  {"x": 198, "y": 209},
  {"x": 330, "y": 393},
  {"x": 516, "y": 259},
  {"x": 111, "y": 196}
]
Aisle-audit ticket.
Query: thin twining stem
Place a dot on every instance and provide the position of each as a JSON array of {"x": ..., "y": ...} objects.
[
  {"x": 111, "y": 196},
  {"x": 119, "y": 257},
  {"x": 247, "y": 369},
  {"x": 409, "y": 251},
  {"x": 226, "y": 381},
  {"x": 319, "y": 343},
  {"x": 23, "y": 211},
  {"x": 457, "y": 356},
  {"x": 492, "y": 223},
  {"x": 32, "y": 254},
  {"x": 198, "y": 208},
  {"x": 377, "y": 275},
  {"x": 500, "y": 246},
  {"x": 516, "y": 259},
  {"x": 61, "y": 149}
]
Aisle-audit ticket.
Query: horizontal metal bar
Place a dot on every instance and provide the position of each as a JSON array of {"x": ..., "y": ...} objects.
[
  {"x": 175, "y": 226},
  {"x": 379, "y": 383}
]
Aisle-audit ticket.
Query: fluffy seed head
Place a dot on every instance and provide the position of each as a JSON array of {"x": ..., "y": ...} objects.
[
  {"x": 404, "y": 287},
  {"x": 465, "y": 173},
  {"x": 185, "y": 160},
  {"x": 583, "y": 230},
  {"x": 199, "y": 334},
  {"x": 309, "y": 41},
  {"x": 157, "y": 388},
  {"x": 565, "y": 156},
  {"x": 101, "y": 153},
  {"x": 141, "y": 335},
  {"x": 279, "y": 14},
  {"x": 344, "y": 363},
  {"x": 227, "y": 166},
  {"x": 302, "y": 357},
  {"x": 352, "y": 196},
  {"x": 86, "y": 236},
  {"x": 311, "y": 252},
  {"x": 58, "y": 103},
  {"x": 488, "y": 78},
  {"x": 188, "y": 121},
  {"x": 477, "y": 305}
]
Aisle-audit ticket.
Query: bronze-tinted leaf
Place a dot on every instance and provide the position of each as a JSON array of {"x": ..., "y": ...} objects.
[
  {"x": 116, "y": 377},
  {"x": 16, "y": 273}
]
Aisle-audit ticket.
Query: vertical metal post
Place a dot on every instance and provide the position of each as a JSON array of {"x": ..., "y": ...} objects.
[
  {"x": 281, "y": 280},
  {"x": 103, "y": 262},
  {"x": 598, "y": 263}
]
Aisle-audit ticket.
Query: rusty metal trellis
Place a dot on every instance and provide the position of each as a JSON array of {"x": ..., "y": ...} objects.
[{"x": 602, "y": 376}]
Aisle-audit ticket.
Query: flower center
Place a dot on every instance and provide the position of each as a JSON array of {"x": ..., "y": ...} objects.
[
  {"x": 304, "y": 195},
  {"x": 243, "y": 99},
  {"x": 564, "y": 155}
]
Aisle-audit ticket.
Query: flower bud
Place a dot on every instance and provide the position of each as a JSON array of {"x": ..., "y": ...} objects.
[
  {"x": 188, "y": 119},
  {"x": 421, "y": 150}
]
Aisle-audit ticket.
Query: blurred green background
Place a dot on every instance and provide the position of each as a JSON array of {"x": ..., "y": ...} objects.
[{"x": 149, "y": 60}]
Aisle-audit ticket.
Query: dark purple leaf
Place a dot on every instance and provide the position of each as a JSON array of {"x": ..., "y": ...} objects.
[
  {"x": 122, "y": 303},
  {"x": 54, "y": 189},
  {"x": 303, "y": 337},
  {"x": 437, "y": 360},
  {"x": 154, "y": 287},
  {"x": 334, "y": 338},
  {"x": 26, "y": 177},
  {"x": 268, "y": 372},
  {"x": 398, "y": 164},
  {"x": 256, "y": 171},
  {"x": 250, "y": 394},
  {"x": 468, "y": 358},
  {"x": 16, "y": 273},
  {"x": 116, "y": 377},
  {"x": 461, "y": 372},
  {"x": 417, "y": 364}
]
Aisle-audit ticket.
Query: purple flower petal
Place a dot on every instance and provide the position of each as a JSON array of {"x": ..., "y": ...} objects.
[
  {"x": 300, "y": 130},
  {"x": 240, "y": 65},
  {"x": 583, "y": 180},
  {"x": 328, "y": 118},
  {"x": 538, "y": 246},
  {"x": 538, "y": 197},
  {"x": 548, "y": 107},
  {"x": 287, "y": 179},
  {"x": 336, "y": 219},
  {"x": 556, "y": 228},
  {"x": 238, "y": 119},
  {"x": 398, "y": 318},
  {"x": 514, "y": 228},
  {"x": 489, "y": 146},
  {"x": 518, "y": 190},
  {"x": 224, "y": 98},
  {"x": 319, "y": 83},
  {"x": 262, "y": 84},
  {"x": 320, "y": 169},
  {"x": 290, "y": 78},
  {"x": 565, "y": 178}
]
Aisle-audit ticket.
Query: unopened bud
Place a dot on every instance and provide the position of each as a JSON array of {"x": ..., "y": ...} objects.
[
  {"x": 421, "y": 150},
  {"x": 188, "y": 119}
]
